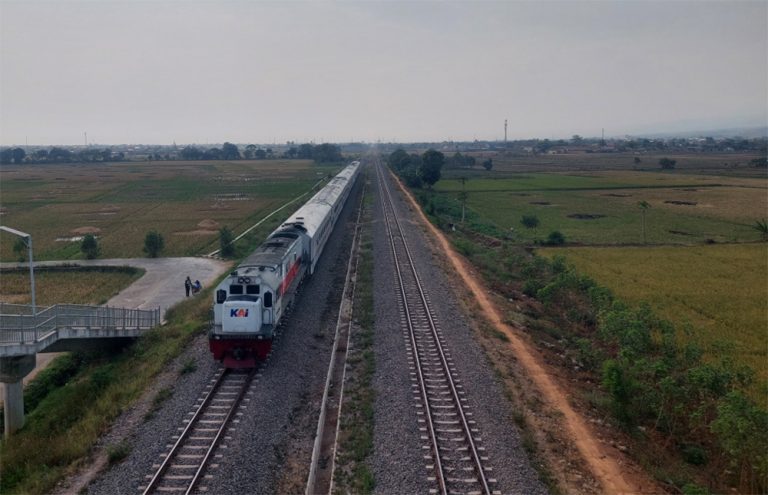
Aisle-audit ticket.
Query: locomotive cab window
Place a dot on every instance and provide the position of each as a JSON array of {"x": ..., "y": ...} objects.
[
  {"x": 235, "y": 289},
  {"x": 251, "y": 289},
  {"x": 267, "y": 299}
]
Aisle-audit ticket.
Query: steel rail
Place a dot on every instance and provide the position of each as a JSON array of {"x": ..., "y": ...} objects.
[
  {"x": 199, "y": 412},
  {"x": 222, "y": 428},
  {"x": 422, "y": 385},
  {"x": 468, "y": 432}
]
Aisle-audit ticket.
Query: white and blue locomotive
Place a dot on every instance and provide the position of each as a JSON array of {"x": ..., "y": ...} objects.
[{"x": 250, "y": 302}]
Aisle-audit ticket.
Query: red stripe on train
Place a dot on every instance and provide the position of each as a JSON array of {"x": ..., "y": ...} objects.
[{"x": 290, "y": 276}]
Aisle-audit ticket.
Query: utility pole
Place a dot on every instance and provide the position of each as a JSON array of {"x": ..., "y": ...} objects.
[
  {"x": 505, "y": 133},
  {"x": 85, "y": 138}
]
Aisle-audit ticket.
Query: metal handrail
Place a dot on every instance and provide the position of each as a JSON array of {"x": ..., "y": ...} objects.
[{"x": 19, "y": 326}]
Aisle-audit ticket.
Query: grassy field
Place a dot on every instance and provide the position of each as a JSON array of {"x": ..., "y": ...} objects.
[
  {"x": 721, "y": 291},
  {"x": 187, "y": 202},
  {"x": 91, "y": 286},
  {"x": 730, "y": 164},
  {"x": 602, "y": 207}
]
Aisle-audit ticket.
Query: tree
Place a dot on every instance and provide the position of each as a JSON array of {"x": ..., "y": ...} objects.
[
  {"x": 488, "y": 164},
  {"x": 327, "y": 153},
  {"x": 226, "y": 242},
  {"x": 644, "y": 206},
  {"x": 305, "y": 151},
  {"x": 398, "y": 160},
  {"x": 230, "y": 152},
  {"x": 667, "y": 163},
  {"x": 555, "y": 238},
  {"x": 18, "y": 155},
  {"x": 191, "y": 153},
  {"x": 20, "y": 249},
  {"x": 637, "y": 160},
  {"x": 260, "y": 154},
  {"x": 59, "y": 155},
  {"x": 153, "y": 244},
  {"x": 212, "y": 154},
  {"x": 6, "y": 156},
  {"x": 250, "y": 150},
  {"x": 431, "y": 164},
  {"x": 577, "y": 140},
  {"x": 90, "y": 247},
  {"x": 530, "y": 221}
]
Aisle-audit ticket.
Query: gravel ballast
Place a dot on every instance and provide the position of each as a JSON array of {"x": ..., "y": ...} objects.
[{"x": 398, "y": 461}]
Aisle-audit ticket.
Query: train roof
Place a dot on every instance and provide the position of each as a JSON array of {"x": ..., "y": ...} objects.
[
  {"x": 309, "y": 217},
  {"x": 270, "y": 253}
]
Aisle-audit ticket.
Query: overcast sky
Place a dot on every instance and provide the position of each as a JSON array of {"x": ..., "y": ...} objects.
[{"x": 264, "y": 72}]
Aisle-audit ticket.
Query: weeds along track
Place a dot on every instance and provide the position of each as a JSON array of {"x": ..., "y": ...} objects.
[
  {"x": 456, "y": 462},
  {"x": 193, "y": 452},
  {"x": 323, "y": 462}
]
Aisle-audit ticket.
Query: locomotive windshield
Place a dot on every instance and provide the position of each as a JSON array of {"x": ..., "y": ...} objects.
[{"x": 245, "y": 297}]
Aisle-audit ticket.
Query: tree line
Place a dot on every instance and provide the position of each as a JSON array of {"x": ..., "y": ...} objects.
[
  {"x": 321, "y": 153},
  {"x": 59, "y": 155},
  {"x": 417, "y": 170}
]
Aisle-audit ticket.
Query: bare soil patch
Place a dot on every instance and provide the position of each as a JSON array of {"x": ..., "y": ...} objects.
[
  {"x": 586, "y": 216},
  {"x": 683, "y": 203},
  {"x": 86, "y": 230},
  {"x": 541, "y": 203}
]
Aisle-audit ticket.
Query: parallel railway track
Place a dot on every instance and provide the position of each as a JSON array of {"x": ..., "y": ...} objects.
[
  {"x": 456, "y": 455},
  {"x": 189, "y": 457}
]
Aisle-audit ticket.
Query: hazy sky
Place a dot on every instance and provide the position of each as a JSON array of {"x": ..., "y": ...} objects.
[{"x": 263, "y": 72}]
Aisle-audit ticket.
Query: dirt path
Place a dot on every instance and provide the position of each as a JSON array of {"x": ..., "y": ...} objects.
[{"x": 601, "y": 462}]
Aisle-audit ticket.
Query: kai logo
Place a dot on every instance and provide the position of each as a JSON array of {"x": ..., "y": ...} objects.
[{"x": 238, "y": 313}]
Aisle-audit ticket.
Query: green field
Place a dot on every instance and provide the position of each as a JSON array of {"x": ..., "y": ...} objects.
[
  {"x": 721, "y": 291},
  {"x": 187, "y": 202},
  {"x": 602, "y": 207}
]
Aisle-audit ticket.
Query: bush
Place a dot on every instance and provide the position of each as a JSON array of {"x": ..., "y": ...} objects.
[
  {"x": 225, "y": 242},
  {"x": 530, "y": 221},
  {"x": 153, "y": 244},
  {"x": 90, "y": 247},
  {"x": 555, "y": 238}
]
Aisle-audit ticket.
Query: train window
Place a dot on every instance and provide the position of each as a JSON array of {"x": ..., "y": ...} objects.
[
  {"x": 221, "y": 296},
  {"x": 235, "y": 289},
  {"x": 267, "y": 299},
  {"x": 251, "y": 289}
]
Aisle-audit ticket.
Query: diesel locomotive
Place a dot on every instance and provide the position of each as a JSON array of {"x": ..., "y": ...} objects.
[{"x": 250, "y": 303}]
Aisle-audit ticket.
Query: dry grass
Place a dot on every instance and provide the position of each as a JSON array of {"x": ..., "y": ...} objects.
[
  {"x": 72, "y": 286},
  {"x": 126, "y": 200}
]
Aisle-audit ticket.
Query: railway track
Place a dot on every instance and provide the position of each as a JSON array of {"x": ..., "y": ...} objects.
[
  {"x": 456, "y": 460},
  {"x": 188, "y": 458}
]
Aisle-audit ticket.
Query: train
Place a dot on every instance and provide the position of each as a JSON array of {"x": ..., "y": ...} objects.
[{"x": 250, "y": 303}]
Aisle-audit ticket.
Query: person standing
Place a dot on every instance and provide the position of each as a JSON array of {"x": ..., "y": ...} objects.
[{"x": 187, "y": 285}]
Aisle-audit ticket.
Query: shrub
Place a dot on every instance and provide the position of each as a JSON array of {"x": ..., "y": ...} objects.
[
  {"x": 225, "y": 242},
  {"x": 530, "y": 221},
  {"x": 153, "y": 243},
  {"x": 555, "y": 238},
  {"x": 90, "y": 247},
  {"x": 118, "y": 452}
]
